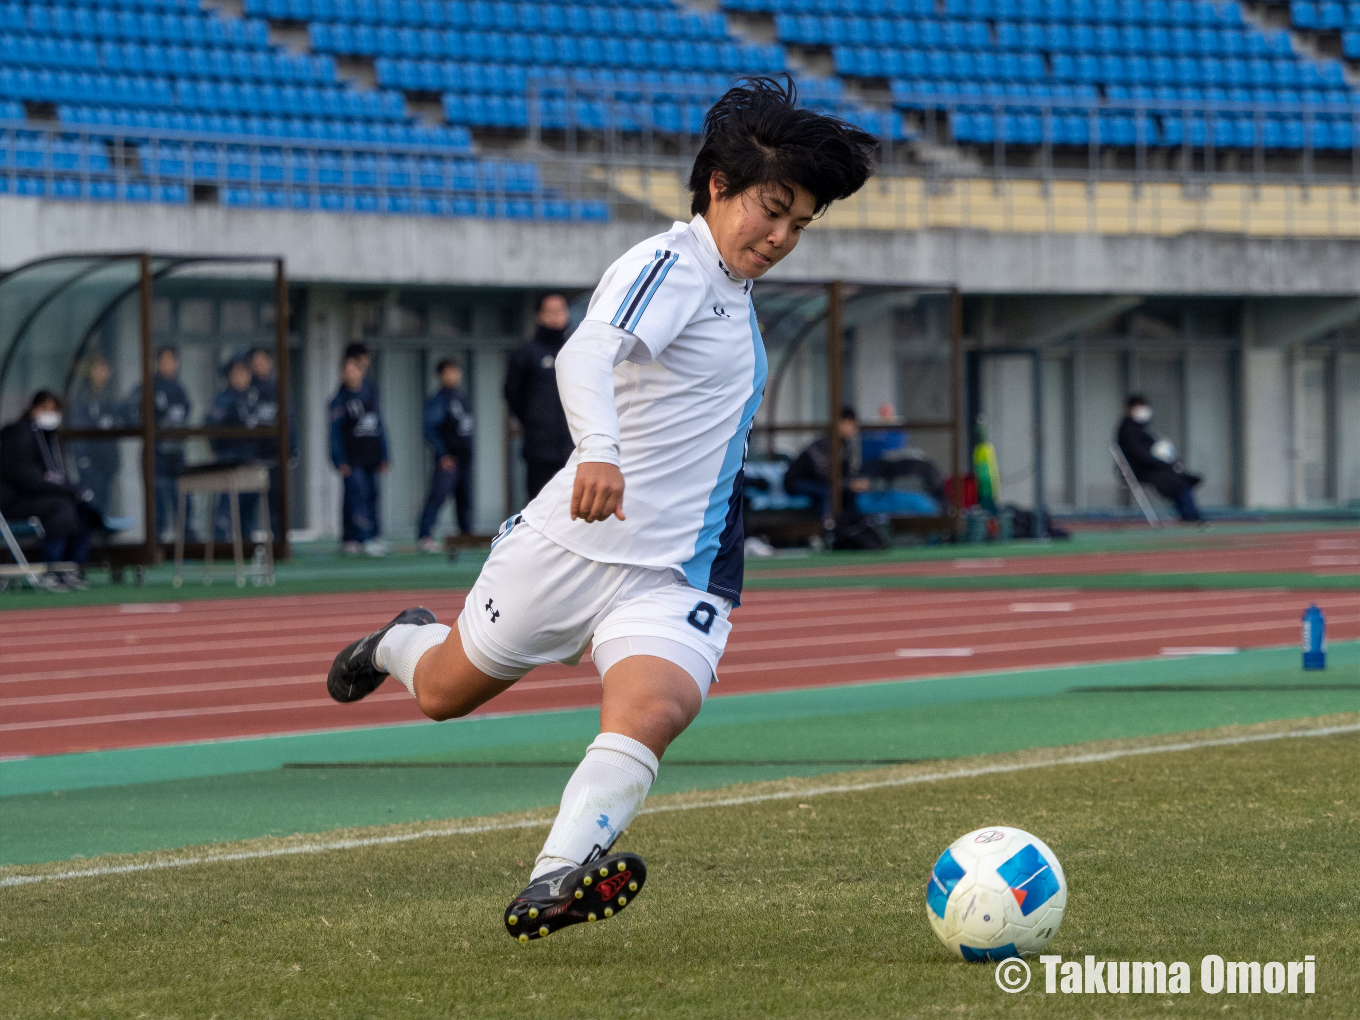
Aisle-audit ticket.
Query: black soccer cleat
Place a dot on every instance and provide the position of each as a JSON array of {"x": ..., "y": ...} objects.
[
  {"x": 354, "y": 674},
  {"x": 591, "y": 892}
]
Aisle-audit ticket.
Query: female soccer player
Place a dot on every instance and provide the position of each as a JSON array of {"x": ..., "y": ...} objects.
[{"x": 636, "y": 544}]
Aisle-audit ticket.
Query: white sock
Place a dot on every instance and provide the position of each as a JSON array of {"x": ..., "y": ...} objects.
[
  {"x": 603, "y": 795},
  {"x": 399, "y": 652}
]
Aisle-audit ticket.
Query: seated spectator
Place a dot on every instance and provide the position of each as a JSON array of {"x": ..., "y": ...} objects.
[
  {"x": 33, "y": 483},
  {"x": 448, "y": 426},
  {"x": 235, "y": 407},
  {"x": 94, "y": 406},
  {"x": 810, "y": 473},
  {"x": 1154, "y": 461}
]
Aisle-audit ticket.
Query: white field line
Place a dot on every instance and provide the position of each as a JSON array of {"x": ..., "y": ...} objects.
[
  {"x": 821, "y": 791},
  {"x": 1201, "y": 650}
]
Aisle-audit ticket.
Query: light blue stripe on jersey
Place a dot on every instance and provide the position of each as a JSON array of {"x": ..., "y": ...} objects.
[
  {"x": 699, "y": 567},
  {"x": 633, "y": 290},
  {"x": 634, "y": 319}
]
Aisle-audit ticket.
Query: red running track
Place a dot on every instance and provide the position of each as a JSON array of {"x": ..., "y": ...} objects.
[
  {"x": 1325, "y": 554},
  {"x": 137, "y": 675}
]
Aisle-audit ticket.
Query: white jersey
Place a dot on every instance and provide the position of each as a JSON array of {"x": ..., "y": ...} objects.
[{"x": 685, "y": 399}]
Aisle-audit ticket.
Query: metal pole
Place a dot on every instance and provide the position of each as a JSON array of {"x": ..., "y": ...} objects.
[
  {"x": 151, "y": 541},
  {"x": 281, "y": 551},
  {"x": 835, "y": 364},
  {"x": 955, "y": 381}
]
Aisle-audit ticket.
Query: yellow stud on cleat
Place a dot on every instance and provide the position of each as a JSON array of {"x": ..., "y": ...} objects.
[
  {"x": 523, "y": 937},
  {"x": 623, "y": 901},
  {"x": 587, "y": 880},
  {"x": 512, "y": 919},
  {"x": 604, "y": 872},
  {"x": 590, "y": 917},
  {"x": 622, "y": 866},
  {"x": 608, "y": 911},
  {"x": 543, "y": 931},
  {"x": 580, "y": 893},
  {"x": 533, "y": 912},
  {"x": 632, "y": 887}
]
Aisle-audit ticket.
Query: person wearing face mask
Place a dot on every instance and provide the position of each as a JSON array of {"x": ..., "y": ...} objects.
[
  {"x": 1154, "y": 461},
  {"x": 531, "y": 392},
  {"x": 33, "y": 483}
]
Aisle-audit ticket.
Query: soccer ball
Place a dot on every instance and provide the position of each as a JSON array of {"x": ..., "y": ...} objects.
[{"x": 996, "y": 893}]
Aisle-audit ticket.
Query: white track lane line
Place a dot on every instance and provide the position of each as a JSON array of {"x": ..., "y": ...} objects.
[{"x": 822, "y": 791}]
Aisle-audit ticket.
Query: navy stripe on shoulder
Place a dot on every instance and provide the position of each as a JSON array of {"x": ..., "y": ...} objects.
[{"x": 656, "y": 269}]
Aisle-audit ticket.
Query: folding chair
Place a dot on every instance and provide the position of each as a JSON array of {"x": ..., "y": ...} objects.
[
  {"x": 1140, "y": 495},
  {"x": 21, "y": 567}
]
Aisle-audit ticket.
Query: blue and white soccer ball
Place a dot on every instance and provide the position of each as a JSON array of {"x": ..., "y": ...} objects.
[{"x": 996, "y": 893}]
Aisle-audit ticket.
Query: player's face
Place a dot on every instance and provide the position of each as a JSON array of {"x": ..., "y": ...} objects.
[
  {"x": 451, "y": 377},
  {"x": 759, "y": 226}
]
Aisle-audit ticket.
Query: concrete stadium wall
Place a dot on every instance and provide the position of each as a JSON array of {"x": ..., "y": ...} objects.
[{"x": 407, "y": 251}]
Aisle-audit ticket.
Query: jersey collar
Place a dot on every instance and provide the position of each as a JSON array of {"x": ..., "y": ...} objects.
[{"x": 699, "y": 226}]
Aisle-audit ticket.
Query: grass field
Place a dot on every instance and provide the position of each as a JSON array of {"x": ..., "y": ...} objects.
[{"x": 809, "y": 902}]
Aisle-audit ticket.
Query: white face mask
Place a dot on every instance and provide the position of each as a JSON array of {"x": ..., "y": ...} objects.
[
  {"x": 48, "y": 421},
  {"x": 1142, "y": 414}
]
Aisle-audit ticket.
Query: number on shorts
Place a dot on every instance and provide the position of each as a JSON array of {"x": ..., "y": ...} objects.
[{"x": 701, "y": 617}]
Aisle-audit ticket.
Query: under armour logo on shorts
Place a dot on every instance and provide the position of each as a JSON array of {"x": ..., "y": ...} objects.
[{"x": 494, "y": 612}]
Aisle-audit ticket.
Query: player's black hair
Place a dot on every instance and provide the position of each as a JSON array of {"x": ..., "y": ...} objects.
[
  {"x": 757, "y": 135},
  {"x": 848, "y": 413},
  {"x": 44, "y": 397},
  {"x": 356, "y": 350},
  {"x": 446, "y": 363},
  {"x": 542, "y": 299},
  {"x": 1136, "y": 400}
]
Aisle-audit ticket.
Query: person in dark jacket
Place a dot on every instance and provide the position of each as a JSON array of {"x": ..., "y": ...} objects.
[
  {"x": 236, "y": 407},
  {"x": 33, "y": 483},
  {"x": 172, "y": 410},
  {"x": 810, "y": 473},
  {"x": 448, "y": 427},
  {"x": 531, "y": 392},
  {"x": 94, "y": 407},
  {"x": 1154, "y": 461},
  {"x": 359, "y": 453},
  {"x": 266, "y": 387}
]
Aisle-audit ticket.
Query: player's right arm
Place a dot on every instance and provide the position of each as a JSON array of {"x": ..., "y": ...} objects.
[{"x": 640, "y": 307}]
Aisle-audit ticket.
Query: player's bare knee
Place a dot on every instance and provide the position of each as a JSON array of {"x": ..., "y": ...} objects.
[{"x": 440, "y": 705}]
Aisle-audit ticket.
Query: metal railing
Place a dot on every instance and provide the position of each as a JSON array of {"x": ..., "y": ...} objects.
[{"x": 600, "y": 171}]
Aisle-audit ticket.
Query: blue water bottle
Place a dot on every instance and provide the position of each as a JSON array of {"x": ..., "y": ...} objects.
[{"x": 1314, "y": 639}]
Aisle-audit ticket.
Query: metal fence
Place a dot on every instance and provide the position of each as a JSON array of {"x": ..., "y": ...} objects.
[{"x": 1154, "y": 166}]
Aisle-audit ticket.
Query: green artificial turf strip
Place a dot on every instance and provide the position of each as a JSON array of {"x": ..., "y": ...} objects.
[
  {"x": 807, "y": 908},
  {"x": 949, "y": 717}
]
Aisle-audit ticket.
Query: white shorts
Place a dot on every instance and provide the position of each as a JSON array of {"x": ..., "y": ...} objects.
[{"x": 535, "y": 603}]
